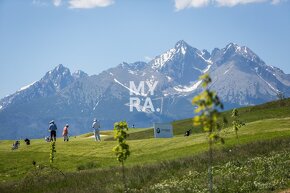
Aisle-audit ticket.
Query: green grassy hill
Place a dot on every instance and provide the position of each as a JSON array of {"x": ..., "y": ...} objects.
[
  {"x": 275, "y": 109},
  {"x": 82, "y": 160}
]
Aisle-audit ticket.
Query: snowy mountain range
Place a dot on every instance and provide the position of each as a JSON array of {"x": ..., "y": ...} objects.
[{"x": 141, "y": 93}]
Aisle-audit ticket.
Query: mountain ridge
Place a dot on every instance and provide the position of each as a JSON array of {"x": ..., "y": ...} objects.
[{"x": 239, "y": 76}]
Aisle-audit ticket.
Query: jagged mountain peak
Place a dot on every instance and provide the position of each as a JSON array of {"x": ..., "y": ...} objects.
[
  {"x": 179, "y": 51},
  {"x": 58, "y": 78},
  {"x": 232, "y": 51},
  {"x": 181, "y": 43},
  {"x": 232, "y": 44},
  {"x": 214, "y": 51},
  {"x": 232, "y": 48},
  {"x": 132, "y": 65},
  {"x": 60, "y": 67},
  {"x": 50, "y": 84},
  {"x": 183, "y": 48},
  {"x": 182, "y": 62},
  {"x": 238, "y": 77},
  {"x": 59, "y": 71},
  {"x": 137, "y": 65},
  {"x": 235, "y": 48},
  {"x": 79, "y": 74}
]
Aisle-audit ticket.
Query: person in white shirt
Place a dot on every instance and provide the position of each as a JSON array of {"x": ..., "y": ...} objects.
[{"x": 96, "y": 126}]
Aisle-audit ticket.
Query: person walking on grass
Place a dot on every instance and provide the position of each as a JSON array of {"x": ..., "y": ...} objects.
[
  {"x": 65, "y": 132},
  {"x": 52, "y": 128},
  {"x": 96, "y": 126}
]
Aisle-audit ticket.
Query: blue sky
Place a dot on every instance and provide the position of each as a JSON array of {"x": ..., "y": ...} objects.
[{"x": 94, "y": 35}]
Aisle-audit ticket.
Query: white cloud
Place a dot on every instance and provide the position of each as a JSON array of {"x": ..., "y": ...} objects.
[
  {"x": 275, "y": 2},
  {"x": 231, "y": 3},
  {"x": 183, "y": 4},
  {"x": 88, "y": 4},
  {"x": 56, "y": 3}
]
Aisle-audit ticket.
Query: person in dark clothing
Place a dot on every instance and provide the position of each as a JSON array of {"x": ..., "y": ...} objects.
[
  {"x": 27, "y": 141},
  {"x": 52, "y": 128},
  {"x": 187, "y": 133},
  {"x": 16, "y": 145}
]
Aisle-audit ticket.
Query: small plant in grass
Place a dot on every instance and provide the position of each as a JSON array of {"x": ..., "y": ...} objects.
[
  {"x": 52, "y": 152},
  {"x": 207, "y": 104},
  {"x": 237, "y": 124},
  {"x": 52, "y": 157},
  {"x": 122, "y": 149}
]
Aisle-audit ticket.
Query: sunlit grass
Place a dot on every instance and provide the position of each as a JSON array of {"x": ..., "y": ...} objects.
[
  {"x": 82, "y": 150},
  {"x": 82, "y": 157}
]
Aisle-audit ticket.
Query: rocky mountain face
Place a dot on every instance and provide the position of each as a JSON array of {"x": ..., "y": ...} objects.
[{"x": 141, "y": 93}]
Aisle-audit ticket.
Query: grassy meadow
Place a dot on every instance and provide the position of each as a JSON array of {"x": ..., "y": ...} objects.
[{"x": 258, "y": 162}]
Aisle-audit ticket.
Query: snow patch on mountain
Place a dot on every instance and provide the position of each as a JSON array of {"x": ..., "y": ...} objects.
[
  {"x": 275, "y": 90},
  {"x": 169, "y": 78},
  {"x": 27, "y": 86},
  {"x": 183, "y": 50},
  {"x": 191, "y": 88},
  {"x": 228, "y": 70},
  {"x": 133, "y": 91},
  {"x": 206, "y": 69},
  {"x": 272, "y": 87},
  {"x": 78, "y": 74},
  {"x": 198, "y": 69},
  {"x": 201, "y": 55},
  {"x": 96, "y": 105},
  {"x": 162, "y": 59},
  {"x": 132, "y": 72},
  {"x": 165, "y": 94}
]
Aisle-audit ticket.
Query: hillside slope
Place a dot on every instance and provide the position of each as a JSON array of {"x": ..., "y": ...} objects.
[
  {"x": 270, "y": 110},
  {"x": 264, "y": 122}
]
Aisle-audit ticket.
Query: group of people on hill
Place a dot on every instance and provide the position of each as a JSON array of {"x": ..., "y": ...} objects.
[{"x": 52, "y": 128}]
